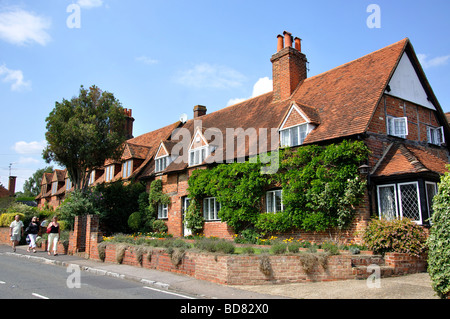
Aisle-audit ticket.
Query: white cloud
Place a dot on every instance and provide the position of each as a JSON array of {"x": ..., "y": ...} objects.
[
  {"x": 15, "y": 77},
  {"x": 263, "y": 85},
  {"x": 434, "y": 62},
  {"x": 205, "y": 75},
  {"x": 21, "y": 27},
  {"x": 29, "y": 148},
  {"x": 146, "y": 60},
  {"x": 88, "y": 4}
]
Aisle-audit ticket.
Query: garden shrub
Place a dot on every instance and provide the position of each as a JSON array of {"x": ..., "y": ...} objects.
[
  {"x": 439, "y": 240},
  {"x": 7, "y": 218},
  {"x": 278, "y": 248},
  {"x": 398, "y": 235},
  {"x": 159, "y": 226}
]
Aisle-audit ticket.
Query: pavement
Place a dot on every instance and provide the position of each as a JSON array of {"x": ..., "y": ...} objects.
[{"x": 416, "y": 286}]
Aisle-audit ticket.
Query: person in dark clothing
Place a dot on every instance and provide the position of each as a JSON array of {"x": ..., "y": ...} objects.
[{"x": 33, "y": 232}]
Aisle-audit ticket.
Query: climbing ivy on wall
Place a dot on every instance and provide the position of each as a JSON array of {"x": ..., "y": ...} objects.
[{"x": 321, "y": 186}]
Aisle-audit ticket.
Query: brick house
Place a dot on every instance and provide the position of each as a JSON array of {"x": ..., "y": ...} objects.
[{"x": 382, "y": 98}]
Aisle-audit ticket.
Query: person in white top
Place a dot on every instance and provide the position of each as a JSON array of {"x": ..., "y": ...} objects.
[{"x": 16, "y": 231}]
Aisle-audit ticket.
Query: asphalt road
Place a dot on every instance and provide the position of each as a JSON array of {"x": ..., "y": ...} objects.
[{"x": 24, "y": 279}]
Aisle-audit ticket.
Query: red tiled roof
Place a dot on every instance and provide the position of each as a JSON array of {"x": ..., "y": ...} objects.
[
  {"x": 346, "y": 97},
  {"x": 341, "y": 101},
  {"x": 404, "y": 159}
]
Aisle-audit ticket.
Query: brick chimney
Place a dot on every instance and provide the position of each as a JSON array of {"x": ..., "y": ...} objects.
[
  {"x": 128, "y": 123},
  {"x": 199, "y": 110},
  {"x": 12, "y": 185},
  {"x": 288, "y": 66}
]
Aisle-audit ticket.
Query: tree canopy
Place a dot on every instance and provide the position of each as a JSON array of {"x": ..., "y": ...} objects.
[{"x": 85, "y": 131}]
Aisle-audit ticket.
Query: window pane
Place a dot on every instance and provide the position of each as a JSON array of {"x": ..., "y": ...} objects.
[
  {"x": 431, "y": 192},
  {"x": 269, "y": 202},
  {"x": 409, "y": 202},
  {"x": 277, "y": 198},
  {"x": 196, "y": 158},
  {"x": 302, "y": 129},
  {"x": 285, "y": 138},
  {"x": 202, "y": 159},
  {"x": 191, "y": 160},
  {"x": 400, "y": 127},
  {"x": 205, "y": 208},
  {"x": 294, "y": 136},
  {"x": 216, "y": 212},
  {"x": 387, "y": 202}
]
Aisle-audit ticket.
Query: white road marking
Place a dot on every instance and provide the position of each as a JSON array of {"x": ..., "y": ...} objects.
[
  {"x": 2, "y": 282},
  {"x": 39, "y": 296},
  {"x": 168, "y": 292}
]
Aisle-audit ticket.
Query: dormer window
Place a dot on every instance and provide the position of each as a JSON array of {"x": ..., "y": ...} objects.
[
  {"x": 109, "y": 173},
  {"x": 197, "y": 156},
  {"x": 127, "y": 168},
  {"x": 199, "y": 149},
  {"x": 297, "y": 125},
  {"x": 435, "y": 135},
  {"x": 293, "y": 136},
  {"x": 397, "y": 126},
  {"x": 162, "y": 163},
  {"x": 92, "y": 178},
  {"x": 54, "y": 187},
  {"x": 69, "y": 184}
]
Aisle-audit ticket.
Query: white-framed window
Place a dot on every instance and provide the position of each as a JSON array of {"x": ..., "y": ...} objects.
[
  {"x": 69, "y": 184},
  {"x": 109, "y": 173},
  {"x": 293, "y": 136},
  {"x": 198, "y": 155},
  {"x": 92, "y": 178},
  {"x": 127, "y": 168},
  {"x": 435, "y": 135},
  {"x": 162, "y": 163},
  {"x": 397, "y": 126},
  {"x": 274, "y": 201},
  {"x": 211, "y": 209},
  {"x": 163, "y": 210},
  {"x": 54, "y": 187},
  {"x": 431, "y": 190},
  {"x": 400, "y": 200}
]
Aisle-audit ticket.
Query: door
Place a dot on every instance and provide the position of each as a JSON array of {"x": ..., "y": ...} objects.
[{"x": 184, "y": 207}]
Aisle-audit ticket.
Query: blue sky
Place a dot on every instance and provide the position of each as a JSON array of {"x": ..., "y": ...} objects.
[{"x": 161, "y": 58}]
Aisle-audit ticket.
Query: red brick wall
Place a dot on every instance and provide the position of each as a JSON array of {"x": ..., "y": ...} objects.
[
  {"x": 5, "y": 239},
  {"x": 418, "y": 116}
]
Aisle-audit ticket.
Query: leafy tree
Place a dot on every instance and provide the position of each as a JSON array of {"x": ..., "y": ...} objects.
[
  {"x": 85, "y": 131},
  {"x": 32, "y": 186},
  {"x": 439, "y": 240}
]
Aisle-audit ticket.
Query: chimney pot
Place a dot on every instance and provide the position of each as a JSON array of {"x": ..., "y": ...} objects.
[
  {"x": 280, "y": 42},
  {"x": 288, "y": 38},
  {"x": 298, "y": 44},
  {"x": 199, "y": 110}
]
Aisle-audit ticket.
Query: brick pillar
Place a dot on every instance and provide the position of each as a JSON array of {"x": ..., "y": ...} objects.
[{"x": 92, "y": 234}]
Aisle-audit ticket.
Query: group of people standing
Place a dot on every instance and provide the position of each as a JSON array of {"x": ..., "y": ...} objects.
[{"x": 17, "y": 231}]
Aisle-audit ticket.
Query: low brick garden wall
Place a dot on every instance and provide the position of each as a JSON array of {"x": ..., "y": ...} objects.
[{"x": 263, "y": 269}]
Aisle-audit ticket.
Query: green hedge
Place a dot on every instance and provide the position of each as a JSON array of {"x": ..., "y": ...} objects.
[
  {"x": 439, "y": 240},
  {"x": 7, "y": 218},
  {"x": 401, "y": 236}
]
